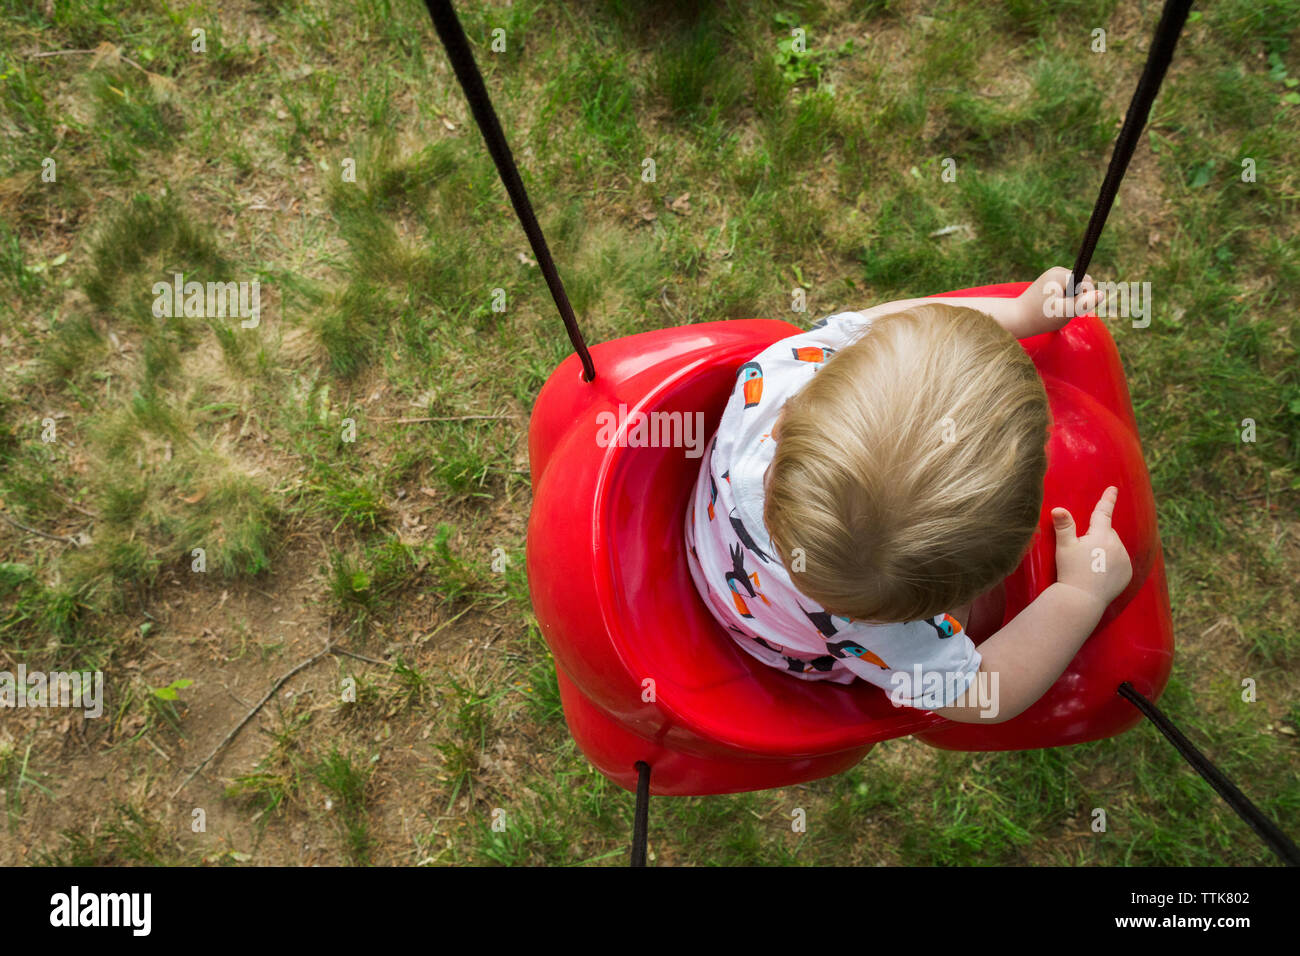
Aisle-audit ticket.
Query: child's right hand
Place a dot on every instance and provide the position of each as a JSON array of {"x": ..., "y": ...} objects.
[
  {"x": 1102, "y": 576},
  {"x": 1044, "y": 306}
]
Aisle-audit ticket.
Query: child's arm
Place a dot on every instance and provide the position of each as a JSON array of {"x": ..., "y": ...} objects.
[
  {"x": 1024, "y": 315},
  {"x": 1037, "y": 645}
]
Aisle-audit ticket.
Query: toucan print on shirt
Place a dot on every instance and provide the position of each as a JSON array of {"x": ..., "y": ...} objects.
[{"x": 751, "y": 383}]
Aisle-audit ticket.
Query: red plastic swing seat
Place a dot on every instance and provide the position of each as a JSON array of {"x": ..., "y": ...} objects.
[{"x": 646, "y": 673}]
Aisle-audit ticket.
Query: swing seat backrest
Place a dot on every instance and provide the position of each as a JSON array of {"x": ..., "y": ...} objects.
[{"x": 632, "y": 637}]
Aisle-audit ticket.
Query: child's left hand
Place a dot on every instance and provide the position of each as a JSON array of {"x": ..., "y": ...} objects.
[{"x": 1045, "y": 306}]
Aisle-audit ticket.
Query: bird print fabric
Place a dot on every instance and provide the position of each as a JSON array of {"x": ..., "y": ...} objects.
[{"x": 739, "y": 574}]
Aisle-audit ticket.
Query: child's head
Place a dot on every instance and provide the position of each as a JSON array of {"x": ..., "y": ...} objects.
[{"x": 909, "y": 470}]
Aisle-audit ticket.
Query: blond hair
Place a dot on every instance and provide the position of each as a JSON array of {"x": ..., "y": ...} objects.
[{"x": 909, "y": 471}]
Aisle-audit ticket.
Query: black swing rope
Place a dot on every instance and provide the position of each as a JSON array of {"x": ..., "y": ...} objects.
[
  {"x": 640, "y": 821},
  {"x": 1275, "y": 839},
  {"x": 453, "y": 39},
  {"x": 1172, "y": 18}
]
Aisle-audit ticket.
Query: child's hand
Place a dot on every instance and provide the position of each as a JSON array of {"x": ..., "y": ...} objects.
[
  {"x": 1045, "y": 307},
  {"x": 1100, "y": 575}
]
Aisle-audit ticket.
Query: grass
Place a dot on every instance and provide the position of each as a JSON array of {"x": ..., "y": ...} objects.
[
  {"x": 470, "y": 709},
  {"x": 214, "y": 482},
  {"x": 129, "y": 836},
  {"x": 345, "y": 782},
  {"x": 277, "y": 779},
  {"x": 14, "y": 774},
  {"x": 364, "y": 585}
]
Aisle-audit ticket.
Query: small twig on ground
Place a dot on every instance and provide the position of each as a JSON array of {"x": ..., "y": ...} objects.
[
  {"x": 444, "y": 418},
  {"x": 35, "y": 56},
  {"x": 67, "y": 539},
  {"x": 124, "y": 59},
  {"x": 668, "y": 307},
  {"x": 329, "y": 648},
  {"x": 450, "y": 620},
  {"x": 241, "y": 703},
  {"x": 302, "y": 665},
  {"x": 360, "y": 657},
  {"x": 162, "y": 753},
  {"x": 74, "y": 506}
]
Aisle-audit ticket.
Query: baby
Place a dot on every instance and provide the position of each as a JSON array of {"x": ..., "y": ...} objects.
[{"x": 872, "y": 477}]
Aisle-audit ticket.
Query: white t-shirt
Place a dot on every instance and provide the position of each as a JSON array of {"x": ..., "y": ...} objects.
[{"x": 739, "y": 573}]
